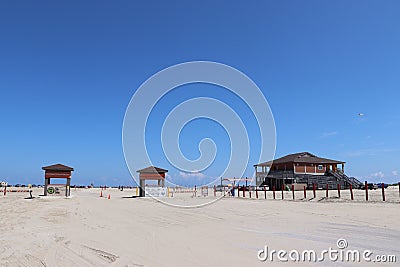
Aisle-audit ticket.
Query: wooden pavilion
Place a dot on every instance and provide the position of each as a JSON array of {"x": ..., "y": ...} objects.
[
  {"x": 57, "y": 171},
  {"x": 151, "y": 173}
]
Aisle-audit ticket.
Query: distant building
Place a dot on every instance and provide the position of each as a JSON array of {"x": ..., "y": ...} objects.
[
  {"x": 306, "y": 169},
  {"x": 3, "y": 184}
]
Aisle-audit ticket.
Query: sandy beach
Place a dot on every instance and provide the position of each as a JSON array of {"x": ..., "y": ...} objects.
[
  {"x": 86, "y": 230},
  {"x": 208, "y": 105}
]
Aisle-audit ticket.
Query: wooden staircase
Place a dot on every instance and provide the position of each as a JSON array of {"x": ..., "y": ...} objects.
[{"x": 343, "y": 177}]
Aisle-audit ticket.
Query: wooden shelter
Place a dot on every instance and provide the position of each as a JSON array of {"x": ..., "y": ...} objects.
[
  {"x": 57, "y": 171},
  {"x": 151, "y": 173}
]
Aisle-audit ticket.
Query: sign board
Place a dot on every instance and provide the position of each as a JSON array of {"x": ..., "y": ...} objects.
[
  {"x": 156, "y": 192},
  {"x": 204, "y": 191},
  {"x": 56, "y": 190},
  {"x": 52, "y": 174}
]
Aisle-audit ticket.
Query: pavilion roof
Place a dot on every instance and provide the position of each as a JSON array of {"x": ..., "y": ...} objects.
[
  {"x": 152, "y": 169},
  {"x": 302, "y": 157},
  {"x": 57, "y": 167}
]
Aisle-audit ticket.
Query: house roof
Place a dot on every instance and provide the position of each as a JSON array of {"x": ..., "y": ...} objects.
[
  {"x": 152, "y": 169},
  {"x": 57, "y": 167},
  {"x": 302, "y": 157}
]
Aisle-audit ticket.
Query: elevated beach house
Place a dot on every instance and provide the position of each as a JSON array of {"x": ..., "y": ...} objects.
[{"x": 304, "y": 169}]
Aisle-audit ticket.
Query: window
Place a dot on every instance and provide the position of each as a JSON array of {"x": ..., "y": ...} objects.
[{"x": 320, "y": 167}]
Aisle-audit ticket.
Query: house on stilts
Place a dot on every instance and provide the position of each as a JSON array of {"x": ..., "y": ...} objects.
[{"x": 304, "y": 169}]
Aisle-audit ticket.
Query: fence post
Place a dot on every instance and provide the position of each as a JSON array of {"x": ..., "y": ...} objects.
[
  {"x": 327, "y": 187},
  {"x": 215, "y": 191},
  {"x": 195, "y": 190},
  {"x": 351, "y": 192},
  {"x": 293, "y": 190},
  {"x": 366, "y": 190},
  {"x": 338, "y": 190},
  {"x": 383, "y": 191},
  {"x": 273, "y": 190},
  {"x": 305, "y": 192},
  {"x": 256, "y": 193},
  {"x": 282, "y": 190},
  {"x": 249, "y": 191},
  {"x": 265, "y": 193},
  {"x": 313, "y": 187}
]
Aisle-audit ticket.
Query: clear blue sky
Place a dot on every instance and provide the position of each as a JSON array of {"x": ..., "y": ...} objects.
[{"x": 69, "y": 68}]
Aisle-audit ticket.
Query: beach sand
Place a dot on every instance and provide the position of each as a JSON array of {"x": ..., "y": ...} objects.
[{"x": 86, "y": 230}]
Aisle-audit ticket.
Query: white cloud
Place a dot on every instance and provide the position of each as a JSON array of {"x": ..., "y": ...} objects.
[
  {"x": 368, "y": 152},
  {"x": 327, "y": 134},
  {"x": 192, "y": 175},
  {"x": 395, "y": 173},
  {"x": 377, "y": 174}
]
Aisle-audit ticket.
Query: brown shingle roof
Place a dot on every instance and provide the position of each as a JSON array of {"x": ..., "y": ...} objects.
[
  {"x": 57, "y": 167},
  {"x": 302, "y": 157},
  {"x": 152, "y": 169}
]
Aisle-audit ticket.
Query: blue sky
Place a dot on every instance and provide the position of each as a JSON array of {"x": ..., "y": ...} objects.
[{"x": 69, "y": 68}]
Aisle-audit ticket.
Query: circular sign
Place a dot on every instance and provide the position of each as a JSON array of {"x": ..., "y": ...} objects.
[{"x": 50, "y": 190}]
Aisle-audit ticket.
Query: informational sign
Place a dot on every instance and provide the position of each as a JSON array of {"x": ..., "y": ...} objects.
[
  {"x": 56, "y": 190},
  {"x": 204, "y": 191},
  {"x": 156, "y": 192}
]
